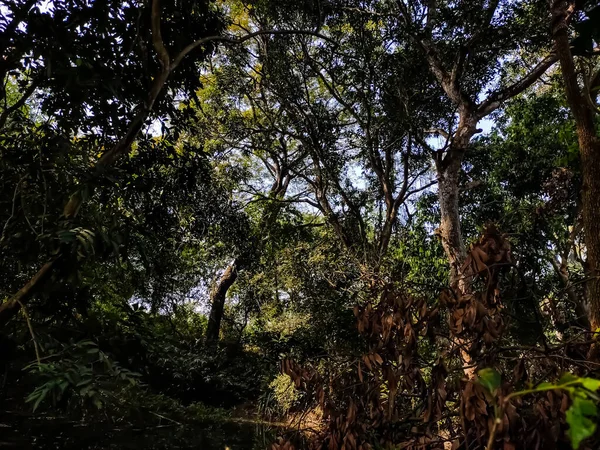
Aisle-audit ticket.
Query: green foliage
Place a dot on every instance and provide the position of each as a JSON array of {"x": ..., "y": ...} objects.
[
  {"x": 489, "y": 379},
  {"x": 582, "y": 415},
  {"x": 93, "y": 58},
  {"x": 281, "y": 397},
  {"x": 588, "y": 31},
  {"x": 83, "y": 374},
  {"x": 310, "y": 162}
]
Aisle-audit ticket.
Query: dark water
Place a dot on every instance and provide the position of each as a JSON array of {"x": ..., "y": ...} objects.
[{"x": 40, "y": 433}]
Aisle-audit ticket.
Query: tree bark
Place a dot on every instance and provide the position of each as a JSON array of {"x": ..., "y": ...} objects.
[
  {"x": 450, "y": 229},
  {"x": 589, "y": 149},
  {"x": 590, "y": 160},
  {"x": 581, "y": 312},
  {"x": 449, "y": 160},
  {"x": 217, "y": 298},
  {"x": 448, "y": 174}
]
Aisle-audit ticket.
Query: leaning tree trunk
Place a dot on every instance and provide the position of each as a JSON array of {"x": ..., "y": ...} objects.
[
  {"x": 454, "y": 245},
  {"x": 589, "y": 149},
  {"x": 218, "y": 297}
]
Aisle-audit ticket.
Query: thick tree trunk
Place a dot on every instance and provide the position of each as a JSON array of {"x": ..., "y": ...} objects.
[
  {"x": 450, "y": 233},
  {"x": 589, "y": 149},
  {"x": 448, "y": 175},
  {"x": 450, "y": 230},
  {"x": 454, "y": 245},
  {"x": 218, "y": 297}
]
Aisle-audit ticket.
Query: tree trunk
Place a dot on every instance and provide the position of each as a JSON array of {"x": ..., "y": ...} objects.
[
  {"x": 450, "y": 230},
  {"x": 218, "y": 297},
  {"x": 450, "y": 233},
  {"x": 448, "y": 175},
  {"x": 589, "y": 149},
  {"x": 581, "y": 312}
]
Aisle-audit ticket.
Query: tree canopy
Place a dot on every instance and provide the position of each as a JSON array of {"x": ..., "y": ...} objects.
[{"x": 374, "y": 223}]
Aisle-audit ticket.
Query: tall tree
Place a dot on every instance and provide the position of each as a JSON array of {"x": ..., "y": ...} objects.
[
  {"x": 171, "y": 50},
  {"x": 340, "y": 105},
  {"x": 117, "y": 18},
  {"x": 582, "y": 102},
  {"x": 474, "y": 52}
]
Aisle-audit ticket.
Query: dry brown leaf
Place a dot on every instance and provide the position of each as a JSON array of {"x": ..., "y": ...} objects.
[{"x": 378, "y": 358}]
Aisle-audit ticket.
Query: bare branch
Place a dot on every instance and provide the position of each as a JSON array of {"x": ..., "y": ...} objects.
[
  {"x": 10, "y": 307},
  {"x": 448, "y": 81},
  {"x": 12, "y": 213},
  {"x": 334, "y": 92},
  {"x": 459, "y": 65},
  {"x": 431, "y": 14},
  {"x": 421, "y": 188}
]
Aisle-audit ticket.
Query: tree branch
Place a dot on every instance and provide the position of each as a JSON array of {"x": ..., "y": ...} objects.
[
  {"x": 10, "y": 307},
  {"x": 439, "y": 131},
  {"x": 494, "y": 101},
  {"x": 448, "y": 81},
  {"x": 231, "y": 40},
  {"x": 8, "y": 111},
  {"x": 157, "y": 41}
]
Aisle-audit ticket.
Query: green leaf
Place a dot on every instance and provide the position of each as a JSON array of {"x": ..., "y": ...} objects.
[
  {"x": 69, "y": 378},
  {"x": 489, "y": 379},
  {"x": 590, "y": 384},
  {"x": 38, "y": 395},
  {"x": 578, "y": 417},
  {"x": 63, "y": 385},
  {"x": 31, "y": 397},
  {"x": 84, "y": 382},
  {"x": 66, "y": 236},
  {"x": 91, "y": 393},
  {"x": 567, "y": 378},
  {"x": 586, "y": 406}
]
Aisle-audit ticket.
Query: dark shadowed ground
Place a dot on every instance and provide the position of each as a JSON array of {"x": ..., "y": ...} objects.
[{"x": 19, "y": 432}]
